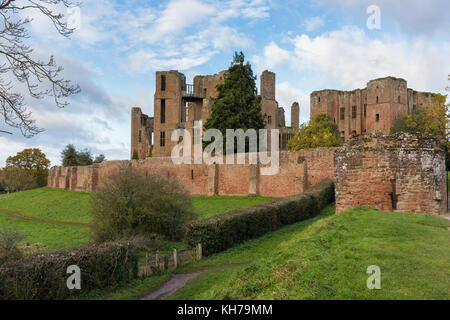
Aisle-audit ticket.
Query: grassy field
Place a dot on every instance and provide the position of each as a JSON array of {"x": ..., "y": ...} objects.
[
  {"x": 52, "y": 204},
  {"x": 47, "y": 235},
  {"x": 327, "y": 258},
  {"x": 211, "y": 206},
  {"x": 53, "y": 210}
]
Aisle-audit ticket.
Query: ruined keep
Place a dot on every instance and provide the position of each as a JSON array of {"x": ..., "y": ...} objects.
[
  {"x": 391, "y": 172},
  {"x": 374, "y": 108},
  {"x": 181, "y": 105}
]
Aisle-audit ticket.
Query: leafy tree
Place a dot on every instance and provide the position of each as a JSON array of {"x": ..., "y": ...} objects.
[
  {"x": 34, "y": 162},
  {"x": 432, "y": 121},
  {"x": 2, "y": 183},
  {"x": 17, "y": 179},
  {"x": 131, "y": 204},
  {"x": 237, "y": 105},
  {"x": 319, "y": 132},
  {"x": 69, "y": 156},
  {"x": 100, "y": 158},
  {"x": 84, "y": 158},
  {"x": 41, "y": 79}
]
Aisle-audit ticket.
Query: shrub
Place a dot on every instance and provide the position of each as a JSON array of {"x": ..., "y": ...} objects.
[
  {"x": 9, "y": 240},
  {"x": 226, "y": 230},
  {"x": 130, "y": 203},
  {"x": 44, "y": 276},
  {"x": 17, "y": 179},
  {"x": 320, "y": 131}
]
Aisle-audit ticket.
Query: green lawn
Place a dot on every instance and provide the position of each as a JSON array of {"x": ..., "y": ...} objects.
[
  {"x": 327, "y": 258},
  {"x": 211, "y": 206},
  {"x": 47, "y": 235},
  {"x": 74, "y": 206},
  {"x": 56, "y": 206}
]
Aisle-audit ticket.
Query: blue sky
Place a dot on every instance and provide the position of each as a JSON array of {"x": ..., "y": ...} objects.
[{"x": 310, "y": 44}]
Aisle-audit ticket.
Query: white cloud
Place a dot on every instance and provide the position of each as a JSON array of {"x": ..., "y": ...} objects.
[
  {"x": 286, "y": 95},
  {"x": 273, "y": 55},
  {"x": 350, "y": 57},
  {"x": 416, "y": 17},
  {"x": 347, "y": 59},
  {"x": 313, "y": 23},
  {"x": 145, "y": 60},
  {"x": 188, "y": 34},
  {"x": 180, "y": 14}
]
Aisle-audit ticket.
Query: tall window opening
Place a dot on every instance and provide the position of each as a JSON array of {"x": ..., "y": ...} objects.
[
  {"x": 342, "y": 113},
  {"x": 163, "y": 83},
  {"x": 163, "y": 110},
  {"x": 162, "y": 139},
  {"x": 354, "y": 112}
]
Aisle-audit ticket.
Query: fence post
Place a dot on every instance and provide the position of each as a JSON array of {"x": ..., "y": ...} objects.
[
  {"x": 157, "y": 259},
  {"x": 175, "y": 258},
  {"x": 199, "y": 251},
  {"x": 166, "y": 262}
]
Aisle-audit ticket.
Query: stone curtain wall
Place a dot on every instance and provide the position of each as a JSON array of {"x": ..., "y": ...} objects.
[
  {"x": 393, "y": 173},
  {"x": 298, "y": 171}
]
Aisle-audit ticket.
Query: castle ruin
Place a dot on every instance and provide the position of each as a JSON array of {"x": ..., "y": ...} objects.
[
  {"x": 391, "y": 172},
  {"x": 181, "y": 105},
  {"x": 374, "y": 108}
]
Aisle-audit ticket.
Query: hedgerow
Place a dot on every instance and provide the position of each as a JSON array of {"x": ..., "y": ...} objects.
[
  {"x": 44, "y": 276},
  {"x": 224, "y": 231}
]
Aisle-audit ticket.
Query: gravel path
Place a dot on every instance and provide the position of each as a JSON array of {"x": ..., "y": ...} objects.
[{"x": 176, "y": 282}]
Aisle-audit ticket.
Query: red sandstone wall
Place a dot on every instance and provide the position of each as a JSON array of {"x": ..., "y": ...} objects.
[
  {"x": 370, "y": 170},
  {"x": 233, "y": 179},
  {"x": 298, "y": 170}
]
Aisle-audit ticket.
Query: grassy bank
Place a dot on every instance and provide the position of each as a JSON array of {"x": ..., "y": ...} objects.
[{"x": 327, "y": 258}]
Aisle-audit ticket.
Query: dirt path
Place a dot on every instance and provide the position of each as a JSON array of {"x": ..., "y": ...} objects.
[
  {"x": 44, "y": 220},
  {"x": 176, "y": 282}
]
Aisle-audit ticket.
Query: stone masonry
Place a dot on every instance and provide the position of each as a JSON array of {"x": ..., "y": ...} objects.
[
  {"x": 298, "y": 171},
  {"x": 181, "y": 105},
  {"x": 392, "y": 173},
  {"x": 374, "y": 108}
]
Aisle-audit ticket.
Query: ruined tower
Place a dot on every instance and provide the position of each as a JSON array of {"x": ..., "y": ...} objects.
[
  {"x": 374, "y": 108},
  {"x": 178, "y": 105},
  {"x": 268, "y": 103},
  {"x": 141, "y": 133},
  {"x": 295, "y": 114}
]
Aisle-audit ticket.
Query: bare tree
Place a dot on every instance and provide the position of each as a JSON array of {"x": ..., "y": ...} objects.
[{"x": 42, "y": 79}]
